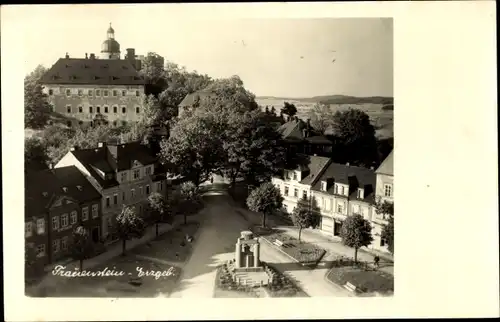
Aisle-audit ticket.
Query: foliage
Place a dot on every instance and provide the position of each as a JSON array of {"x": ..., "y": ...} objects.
[
  {"x": 356, "y": 136},
  {"x": 35, "y": 154},
  {"x": 289, "y": 109},
  {"x": 190, "y": 198},
  {"x": 82, "y": 246},
  {"x": 129, "y": 225},
  {"x": 302, "y": 216},
  {"x": 356, "y": 232},
  {"x": 321, "y": 116},
  {"x": 158, "y": 208},
  {"x": 36, "y": 107},
  {"x": 265, "y": 199},
  {"x": 387, "y": 209}
]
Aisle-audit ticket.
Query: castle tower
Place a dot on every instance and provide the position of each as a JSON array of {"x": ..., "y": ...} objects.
[{"x": 110, "y": 48}]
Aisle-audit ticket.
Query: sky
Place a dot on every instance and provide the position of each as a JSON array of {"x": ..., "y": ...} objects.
[{"x": 279, "y": 57}]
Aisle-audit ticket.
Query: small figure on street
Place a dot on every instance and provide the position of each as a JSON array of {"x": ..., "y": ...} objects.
[
  {"x": 376, "y": 261},
  {"x": 211, "y": 180}
]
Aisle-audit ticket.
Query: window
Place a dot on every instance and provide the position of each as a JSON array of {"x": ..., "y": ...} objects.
[
  {"x": 124, "y": 110},
  {"x": 342, "y": 190},
  {"x": 90, "y": 92},
  {"x": 136, "y": 93},
  {"x": 295, "y": 176},
  {"x": 124, "y": 93},
  {"x": 355, "y": 209},
  {"x": 105, "y": 109},
  {"x": 40, "y": 226},
  {"x": 107, "y": 202},
  {"x": 304, "y": 194},
  {"x": 115, "y": 199},
  {"x": 123, "y": 196},
  {"x": 336, "y": 189},
  {"x": 140, "y": 190},
  {"x": 148, "y": 171},
  {"x": 323, "y": 185},
  {"x": 295, "y": 192},
  {"x": 387, "y": 190},
  {"x": 123, "y": 176},
  {"x": 80, "y": 92},
  {"x": 137, "y": 109},
  {"x": 97, "y": 92},
  {"x": 286, "y": 191},
  {"x": 360, "y": 194},
  {"x": 132, "y": 193},
  {"x": 85, "y": 213},
  {"x": 147, "y": 189},
  {"x": 95, "y": 211},
  {"x": 80, "y": 109},
  {"x": 68, "y": 108},
  {"x": 64, "y": 243},
  {"x": 55, "y": 245},
  {"x": 55, "y": 223},
  {"x": 74, "y": 217},
  {"x": 28, "y": 229},
  {"x": 340, "y": 208},
  {"x": 40, "y": 250},
  {"x": 68, "y": 92},
  {"x": 382, "y": 242},
  {"x": 115, "y": 93},
  {"x": 105, "y": 93},
  {"x": 115, "y": 109},
  {"x": 64, "y": 220},
  {"x": 136, "y": 174},
  {"x": 124, "y": 123},
  {"x": 98, "y": 109},
  {"x": 90, "y": 110},
  {"x": 159, "y": 186},
  {"x": 51, "y": 92}
]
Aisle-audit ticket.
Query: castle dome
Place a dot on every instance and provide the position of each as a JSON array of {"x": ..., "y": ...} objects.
[{"x": 110, "y": 46}]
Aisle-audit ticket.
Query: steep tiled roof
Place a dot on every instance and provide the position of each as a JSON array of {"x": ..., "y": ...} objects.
[
  {"x": 294, "y": 131},
  {"x": 387, "y": 167},
  {"x": 313, "y": 169},
  {"x": 43, "y": 187},
  {"x": 193, "y": 98},
  {"x": 92, "y": 71},
  {"x": 355, "y": 177}
]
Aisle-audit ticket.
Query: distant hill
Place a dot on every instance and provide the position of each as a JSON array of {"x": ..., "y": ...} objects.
[{"x": 337, "y": 99}]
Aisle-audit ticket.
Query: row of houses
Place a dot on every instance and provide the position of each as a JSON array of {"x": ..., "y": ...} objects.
[
  {"x": 336, "y": 191},
  {"x": 88, "y": 187}
]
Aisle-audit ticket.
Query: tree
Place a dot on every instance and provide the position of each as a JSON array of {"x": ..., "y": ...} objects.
[
  {"x": 356, "y": 135},
  {"x": 35, "y": 154},
  {"x": 82, "y": 245},
  {"x": 321, "y": 116},
  {"x": 289, "y": 109},
  {"x": 386, "y": 209},
  {"x": 191, "y": 198},
  {"x": 152, "y": 69},
  {"x": 273, "y": 110},
  {"x": 267, "y": 109},
  {"x": 302, "y": 215},
  {"x": 129, "y": 225},
  {"x": 152, "y": 113},
  {"x": 265, "y": 199},
  {"x": 356, "y": 232},
  {"x": 158, "y": 208},
  {"x": 36, "y": 107}
]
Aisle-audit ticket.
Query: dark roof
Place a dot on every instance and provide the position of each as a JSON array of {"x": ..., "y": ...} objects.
[
  {"x": 92, "y": 71},
  {"x": 294, "y": 131},
  {"x": 387, "y": 167},
  {"x": 193, "y": 98},
  {"x": 355, "y": 177},
  {"x": 43, "y": 187},
  {"x": 112, "y": 158},
  {"x": 313, "y": 169},
  {"x": 318, "y": 139}
]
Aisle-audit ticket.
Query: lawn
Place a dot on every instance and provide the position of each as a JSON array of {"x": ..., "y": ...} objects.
[
  {"x": 303, "y": 252},
  {"x": 171, "y": 246},
  {"x": 368, "y": 281},
  {"x": 118, "y": 286}
]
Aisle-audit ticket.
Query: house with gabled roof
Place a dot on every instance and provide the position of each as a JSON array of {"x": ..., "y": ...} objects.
[
  {"x": 301, "y": 137},
  {"x": 125, "y": 175},
  {"x": 56, "y": 202}
]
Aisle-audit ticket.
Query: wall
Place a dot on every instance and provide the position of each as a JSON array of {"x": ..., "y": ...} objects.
[
  {"x": 58, "y": 234},
  {"x": 130, "y": 101},
  {"x": 383, "y": 179},
  {"x": 38, "y": 239}
]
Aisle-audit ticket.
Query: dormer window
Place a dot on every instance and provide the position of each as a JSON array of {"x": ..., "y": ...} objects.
[
  {"x": 323, "y": 186},
  {"x": 65, "y": 189},
  {"x": 361, "y": 193},
  {"x": 294, "y": 175},
  {"x": 45, "y": 193},
  {"x": 79, "y": 188}
]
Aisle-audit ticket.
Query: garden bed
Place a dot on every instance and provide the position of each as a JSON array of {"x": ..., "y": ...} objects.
[
  {"x": 172, "y": 245},
  {"x": 367, "y": 280},
  {"x": 282, "y": 286},
  {"x": 225, "y": 287}
]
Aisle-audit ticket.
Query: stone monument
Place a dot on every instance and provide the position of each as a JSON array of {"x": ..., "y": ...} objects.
[{"x": 247, "y": 254}]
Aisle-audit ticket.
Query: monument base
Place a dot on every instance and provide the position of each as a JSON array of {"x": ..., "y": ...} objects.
[{"x": 249, "y": 269}]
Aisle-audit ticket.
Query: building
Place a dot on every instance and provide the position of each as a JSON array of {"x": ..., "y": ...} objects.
[
  {"x": 56, "y": 202},
  {"x": 125, "y": 175},
  {"x": 384, "y": 192},
  {"x": 300, "y": 137},
  {"x": 193, "y": 100},
  {"x": 91, "y": 89}
]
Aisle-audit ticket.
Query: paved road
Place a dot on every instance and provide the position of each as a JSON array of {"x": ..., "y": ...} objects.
[{"x": 221, "y": 226}]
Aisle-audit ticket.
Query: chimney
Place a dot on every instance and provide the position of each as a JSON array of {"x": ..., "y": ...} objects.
[
  {"x": 130, "y": 54},
  {"x": 92, "y": 56},
  {"x": 86, "y": 56},
  {"x": 67, "y": 55}
]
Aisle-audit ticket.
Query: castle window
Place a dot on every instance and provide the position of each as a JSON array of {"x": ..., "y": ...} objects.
[
  {"x": 97, "y": 92},
  {"x": 68, "y": 108},
  {"x": 90, "y": 110},
  {"x": 114, "y": 123},
  {"x": 98, "y": 109},
  {"x": 51, "y": 92},
  {"x": 68, "y": 92},
  {"x": 90, "y": 92},
  {"x": 80, "y": 92},
  {"x": 136, "y": 93},
  {"x": 115, "y": 93},
  {"x": 105, "y": 109},
  {"x": 124, "y": 110},
  {"x": 137, "y": 109},
  {"x": 124, "y": 93},
  {"x": 115, "y": 109},
  {"x": 124, "y": 123},
  {"x": 105, "y": 93},
  {"x": 80, "y": 109}
]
